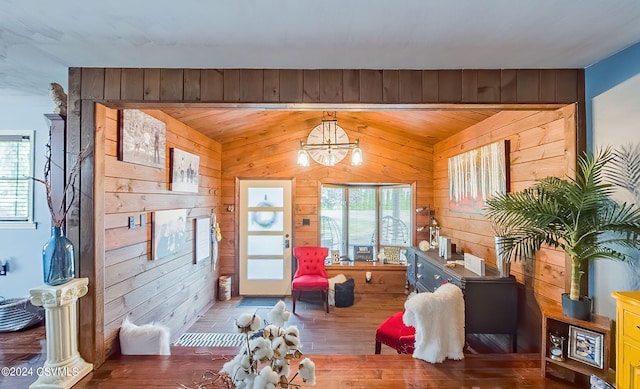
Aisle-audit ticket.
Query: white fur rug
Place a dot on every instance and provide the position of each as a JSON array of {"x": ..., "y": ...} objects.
[{"x": 438, "y": 318}]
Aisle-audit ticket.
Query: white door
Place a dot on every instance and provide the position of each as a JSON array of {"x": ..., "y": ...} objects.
[{"x": 265, "y": 237}]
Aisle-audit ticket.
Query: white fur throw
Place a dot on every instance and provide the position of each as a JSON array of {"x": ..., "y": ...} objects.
[
  {"x": 147, "y": 339},
  {"x": 340, "y": 278},
  {"x": 438, "y": 318}
]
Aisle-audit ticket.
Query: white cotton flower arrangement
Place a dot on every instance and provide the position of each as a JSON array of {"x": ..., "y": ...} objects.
[
  {"x": 279, "y": 314},
  {"x": 264, "y": 362}
]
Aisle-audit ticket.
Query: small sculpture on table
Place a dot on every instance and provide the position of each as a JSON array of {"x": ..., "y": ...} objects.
[
  {"x": 59, "y": 98},
  {"x": 557, "y": 347}
]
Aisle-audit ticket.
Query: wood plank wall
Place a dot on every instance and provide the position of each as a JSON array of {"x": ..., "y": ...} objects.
[
  {"x": 273, "y": 155},
  {"x": 541, "y": 145},
  {"x": 171, "y": 290},
  {"x": 118, "y": 87}
]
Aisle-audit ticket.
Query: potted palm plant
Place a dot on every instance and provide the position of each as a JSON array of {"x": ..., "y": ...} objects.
[{"x": 577, "y": 215}]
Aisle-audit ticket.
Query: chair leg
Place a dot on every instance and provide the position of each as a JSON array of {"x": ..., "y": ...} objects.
[
  {"x": 325, "y": 298},
  {"x": 295, "y": 297},
  {"x": 378, "y": 347}
]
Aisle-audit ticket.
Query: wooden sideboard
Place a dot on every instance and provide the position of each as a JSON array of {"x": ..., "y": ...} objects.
[
  {"x": 491, "y": 302},
  {"x": 385, "y": 278},
  {"x": 628, "y": 339}
]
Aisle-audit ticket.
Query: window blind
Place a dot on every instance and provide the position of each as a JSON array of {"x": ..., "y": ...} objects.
[{"x": 16, "y": 168}]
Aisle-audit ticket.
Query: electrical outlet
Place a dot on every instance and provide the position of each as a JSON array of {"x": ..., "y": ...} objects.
[
  {"x": 132, "y": 222},
  {"x": 143, "y": 220},
  {"x": 3, "y": 268}
]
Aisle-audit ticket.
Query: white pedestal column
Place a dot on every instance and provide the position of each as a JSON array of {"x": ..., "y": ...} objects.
[{"x": 64, "y": 365}]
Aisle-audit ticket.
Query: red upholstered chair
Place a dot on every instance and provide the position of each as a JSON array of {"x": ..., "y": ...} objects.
[
  {"x": 394, "y": 333},
  {"x": 310, "y": 274}
]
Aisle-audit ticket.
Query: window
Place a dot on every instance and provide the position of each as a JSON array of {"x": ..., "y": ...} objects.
[
  {"x": 16, "y": 170},
  {"x": 365, "y": 215}
]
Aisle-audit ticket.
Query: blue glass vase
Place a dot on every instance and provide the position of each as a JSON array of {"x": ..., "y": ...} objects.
[{"x": 58, "y": 259}]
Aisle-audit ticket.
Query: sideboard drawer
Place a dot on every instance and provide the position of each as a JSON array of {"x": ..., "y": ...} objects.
[
  {"x": 431, "y": 277},
  {"x": 631, "y": 327},
  {"x": 411, "y": 267}
]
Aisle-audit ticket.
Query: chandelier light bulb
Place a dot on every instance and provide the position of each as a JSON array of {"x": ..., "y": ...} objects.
[
  {"x": 356, "y": 156},
  {"x": 303, "y": 158}
]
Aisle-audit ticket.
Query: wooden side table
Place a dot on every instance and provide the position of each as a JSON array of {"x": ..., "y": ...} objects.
[
  {"x": 555, "y": 322},
  {"x": 385, "y": 277}
]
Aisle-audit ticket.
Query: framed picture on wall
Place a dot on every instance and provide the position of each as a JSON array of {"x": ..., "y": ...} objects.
[
  {"x": 184, "y": 171},
  {"x": 476, "y": 175},
  {"x": 169, "y": 232},
  {"x": 141, "y": 138},
  {"x": 202, "y": 241}
]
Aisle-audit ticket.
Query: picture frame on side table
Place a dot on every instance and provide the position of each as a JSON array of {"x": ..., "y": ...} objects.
[
  {"x": 586, "y": 346},
  {"x": 335, "y": 256},
  {"x": 392, "y": 254}
]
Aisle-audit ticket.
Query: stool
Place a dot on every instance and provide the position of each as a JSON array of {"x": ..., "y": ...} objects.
[{"x": 395, "y": 334}]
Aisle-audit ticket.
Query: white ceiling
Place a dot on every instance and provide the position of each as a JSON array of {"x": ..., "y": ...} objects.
[{"x": 40, "y": 39}]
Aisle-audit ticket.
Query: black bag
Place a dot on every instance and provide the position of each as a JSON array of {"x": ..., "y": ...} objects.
[{"x": 344, "y": 293}]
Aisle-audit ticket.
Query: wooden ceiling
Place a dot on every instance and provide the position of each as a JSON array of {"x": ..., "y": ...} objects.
[{"x": 227, "y": 125}]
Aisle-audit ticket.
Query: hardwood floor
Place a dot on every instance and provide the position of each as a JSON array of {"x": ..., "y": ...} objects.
[{"x": 341, "y": 343}]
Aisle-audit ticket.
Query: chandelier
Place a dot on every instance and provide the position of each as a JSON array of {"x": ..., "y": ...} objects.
[{"x": 328, "y": 144}]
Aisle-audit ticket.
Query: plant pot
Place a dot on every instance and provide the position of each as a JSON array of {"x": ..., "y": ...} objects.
[
  {"x": 503, "y": 264},
  {"x": 580, "y": 309},
  {"x": 58, "y": 259}
]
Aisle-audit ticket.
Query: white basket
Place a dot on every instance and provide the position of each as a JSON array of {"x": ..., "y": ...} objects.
[{"x": 18, "y": 313}]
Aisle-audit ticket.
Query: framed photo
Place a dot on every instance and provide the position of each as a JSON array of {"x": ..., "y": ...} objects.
[
  {"x": 391, "y": 254},
  {"x": 476, "y": 175},
  {"x": 585, "y": 346},
  {"x": 141, "y": 139},
  {"x": 363, "y": 253},
  {"x": 335, "y": 256},
  {"x": 202, "y": 241},
  {"x": 184, "y": 171},
  {"x": 169, "y": 232}
]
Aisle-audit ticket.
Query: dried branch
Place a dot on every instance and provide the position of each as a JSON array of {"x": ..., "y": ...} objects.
[{"x": 59, "y": 212}]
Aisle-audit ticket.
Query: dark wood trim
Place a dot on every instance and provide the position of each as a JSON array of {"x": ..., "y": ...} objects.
[{"x": 488, "y": 86}]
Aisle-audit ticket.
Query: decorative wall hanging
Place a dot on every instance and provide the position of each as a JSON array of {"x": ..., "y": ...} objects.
[
  {"x": 141, "y": 139},
  {"x": 476, "y": 175},
  {"x": 184, "y": 171},
  {"x": 169, "y": 232}
]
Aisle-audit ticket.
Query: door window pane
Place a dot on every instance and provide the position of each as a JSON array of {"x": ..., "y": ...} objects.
[
  {"x": 265, "y": 245},
  {"x": 265, "y": 269},
  {"x": 266, "y": 221},
  {"x": 265, "y": 197}
]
